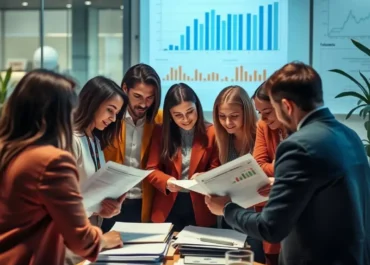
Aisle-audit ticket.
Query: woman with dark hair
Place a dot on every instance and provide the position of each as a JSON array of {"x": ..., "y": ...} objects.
[
  {"x": 102, "y": 105},
  {"x": 40, "y": 203},
  {"x": 270, "y": 132},
  {"x": 183, "y": 146}
]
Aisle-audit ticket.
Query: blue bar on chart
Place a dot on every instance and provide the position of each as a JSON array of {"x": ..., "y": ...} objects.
[
  {"x": 201, "y": 37},
  {"x": 218, "y": 32},
  {"x": 229, "y": 16},
  {"x": 269, "y": 27},
  {"x": 240, "y": 32},
  {"x": 187, "y": 37},
  {"x": 170, "y": 47},
  {"x": 249, "y": 29},
  {"x": 260, "y": 33},
  {"x": 213, "y": 16},
  {"x": 254, "y": 32},
  {"x": 176, "y": 48},
  {"x": 276, "y": 25},
  {"x": 182, "y": 42},
  {"x": 195, "y": 34},
  {"x": 223, "y": 37},
  {"x": 207, "y": 31},
  {"x": 235, "y": 31}
]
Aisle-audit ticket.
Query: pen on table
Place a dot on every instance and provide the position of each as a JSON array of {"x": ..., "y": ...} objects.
[{"x": 216, "y": 241}]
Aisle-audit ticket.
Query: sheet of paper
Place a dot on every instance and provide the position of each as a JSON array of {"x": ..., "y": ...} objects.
[
  {"x": 189, "y": 184},
  {"x": 155, "y": 249},
  {"x": 110, "y": 181},
  {"x": 142, "y": 232},
  {"x": 240, "y": 179},
  {"x": 191, "y": 235}
]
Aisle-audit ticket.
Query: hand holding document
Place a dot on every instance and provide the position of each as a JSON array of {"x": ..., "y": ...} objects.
[
  {"x": 110, "y": 181},
  {"x": 240, "y": 179}
]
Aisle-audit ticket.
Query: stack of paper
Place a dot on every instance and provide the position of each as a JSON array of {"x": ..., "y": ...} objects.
[
  {"x": 137, "y": 253},
  {"x": 210, "y": 242},
  {"x": 143, "y": 232}
]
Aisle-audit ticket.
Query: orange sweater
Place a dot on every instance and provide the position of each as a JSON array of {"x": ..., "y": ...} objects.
[
  {"x": 41, "y": 210},
  {"x": 265, "y": 146},
  {"x": 267, "y": 141}
]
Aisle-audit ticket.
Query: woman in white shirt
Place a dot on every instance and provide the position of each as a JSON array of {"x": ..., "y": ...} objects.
[{"x": 102, "y": 104}]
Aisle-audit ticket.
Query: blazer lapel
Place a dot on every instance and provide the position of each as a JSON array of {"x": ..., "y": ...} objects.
[
  {"x": 122, "y": 143},
  {"x": 178, "y": 163},
  {"x": 197, "y": 152},
  {"x": 148, "y": 129}
]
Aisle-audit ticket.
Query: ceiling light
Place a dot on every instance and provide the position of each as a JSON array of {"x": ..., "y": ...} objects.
[
  {"x": 24, "y": 4},
  {"x": 121, "y": 7},
  {"x": 87, "y": 3},
  {"x": 68, "y": 5}
]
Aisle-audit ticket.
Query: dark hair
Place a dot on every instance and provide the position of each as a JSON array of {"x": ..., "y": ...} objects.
[
  {"x": 297, "y": 82},
  {"x": 96, "y": 91},
  {"x": 171, "y": 138},
  {"x": 37, "y": 113},
  {"x": 261, "y": 93},
  {"x": 143, "y": 73}
]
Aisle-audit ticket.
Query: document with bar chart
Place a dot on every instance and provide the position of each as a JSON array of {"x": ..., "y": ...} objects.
[{"x": 211, "y": 44}]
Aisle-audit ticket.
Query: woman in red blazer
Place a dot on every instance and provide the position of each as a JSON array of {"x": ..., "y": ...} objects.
[{"x": 183, "y": 146}]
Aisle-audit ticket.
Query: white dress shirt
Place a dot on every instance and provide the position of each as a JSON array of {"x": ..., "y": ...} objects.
[{"x": 134, "y": 136}]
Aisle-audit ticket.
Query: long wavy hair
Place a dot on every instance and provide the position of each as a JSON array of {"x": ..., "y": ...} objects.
[
  {"x": 235, "y": 95},
  {"x": 96, "y": 91},
  {"x": 38, "y": 112}
]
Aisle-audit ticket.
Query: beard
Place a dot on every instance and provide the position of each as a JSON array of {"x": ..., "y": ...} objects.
[
  {"x": 138, "y": 112},
  {"x": 287, "y": 123}
]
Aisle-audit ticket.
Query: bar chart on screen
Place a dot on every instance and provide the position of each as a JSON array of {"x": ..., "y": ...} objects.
[{"x": 210, "y": 44}]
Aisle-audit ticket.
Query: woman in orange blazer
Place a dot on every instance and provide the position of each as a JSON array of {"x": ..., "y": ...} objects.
[
  {"x": 183, "y": 146},
  {"x": 270, "y": 132},
  {"x": 40, "y": 202}
]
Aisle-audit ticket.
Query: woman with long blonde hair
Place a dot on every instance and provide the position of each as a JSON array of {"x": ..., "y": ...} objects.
[{"x": 235, "y": 120}]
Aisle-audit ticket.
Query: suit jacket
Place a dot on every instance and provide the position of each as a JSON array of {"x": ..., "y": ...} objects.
[
  {"x": 41, "y": 209},
  {"x": 116, "y": 153},
  {"x": 201, "y": 160},
  {"x": 319, "y": 203}
]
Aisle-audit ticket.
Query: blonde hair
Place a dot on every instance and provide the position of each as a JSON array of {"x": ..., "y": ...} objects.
[{"x": 235, "y": 95}]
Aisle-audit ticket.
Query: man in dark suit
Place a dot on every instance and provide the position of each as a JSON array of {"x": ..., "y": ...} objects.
[{"x": 319, "y": 205}]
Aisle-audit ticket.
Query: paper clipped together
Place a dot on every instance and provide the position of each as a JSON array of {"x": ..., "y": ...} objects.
[
  {"x": 240, "y": 179},
  {"x": 110, "y": 181}
]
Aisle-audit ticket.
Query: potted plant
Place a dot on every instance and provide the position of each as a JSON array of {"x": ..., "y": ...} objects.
[
  {"x": 4, "y": 85},
  {"x": 362, "y": 95}
]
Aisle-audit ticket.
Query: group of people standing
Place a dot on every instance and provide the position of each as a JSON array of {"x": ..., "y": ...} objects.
[{"x": 51, "y": 141}]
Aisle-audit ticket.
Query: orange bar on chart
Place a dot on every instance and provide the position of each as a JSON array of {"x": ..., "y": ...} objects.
[
  {"x": 237, "y": 74},
  {"x": 213, "y": 76},
  {"x": 175, "y": 74},
  {"x": 217, "y": 77},
  {"x": 184, "y": 76},
  {"x": 196, "y": 75},
  {"x": 180, "y": 73},
  {"x": 241, "y": 73},
  {"x": 246, "y": 76},
  {"x": 226, "y": 79},
  {"x": 188, "y": 78},
  {"x": 255, "y": 76},
  {"x": 171, "y": 74},
  {"x": 264, "y": 75},
  {"x": 208, "y": 77},
  {"x": 250, "y": 78},
  {"x": 200, "y": 77},
  {"x": 259, "y": 77}
]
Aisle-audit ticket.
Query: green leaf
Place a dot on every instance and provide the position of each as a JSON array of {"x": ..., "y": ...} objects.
[
  {"x": 352, "y": 94},
  {"x": 7, "y": 79},
  {"x": 359, "y": 102},
  {"x": 366, "y": 81},
  {"x": 355, "y": 108},
  {"x": 365, "y": 111},
  {"x": 361, "y": 47},
  {"x": 341, "y": 72},
  {"x": 366, "y": 141}
]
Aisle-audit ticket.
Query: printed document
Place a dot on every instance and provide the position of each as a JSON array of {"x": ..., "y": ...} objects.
[
  {"x": 110, "y": 181},
  {"x": 240, "y": 179}
]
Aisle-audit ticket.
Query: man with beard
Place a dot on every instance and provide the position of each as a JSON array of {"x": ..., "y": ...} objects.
[
  {"x": 319, "y": 202},
  {"x": 143, "y": 87}
]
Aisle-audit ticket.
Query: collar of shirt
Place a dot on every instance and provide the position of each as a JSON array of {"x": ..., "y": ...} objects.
[
  {"x": 308, "y": 115},
  {"x": 139, "y": 123}
]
